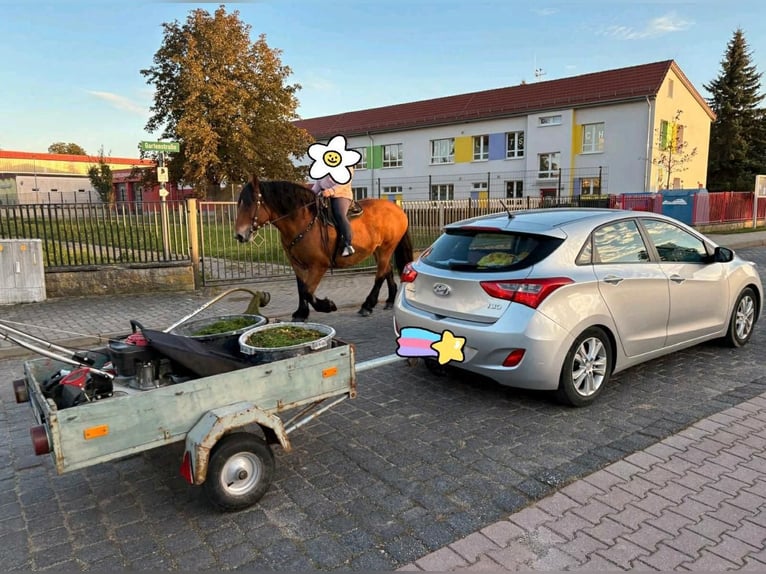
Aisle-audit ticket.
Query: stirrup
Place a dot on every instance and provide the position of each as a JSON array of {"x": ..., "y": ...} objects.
[{"x": 348, "y": 251}]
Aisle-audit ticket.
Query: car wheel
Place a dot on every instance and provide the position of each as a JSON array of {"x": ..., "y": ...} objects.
[
  {"x": 586, "y": 368},
  {"x": 742, "y": 319}
]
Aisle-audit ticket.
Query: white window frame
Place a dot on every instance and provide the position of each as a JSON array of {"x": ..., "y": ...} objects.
[
  {"x": 393, "y": 156},
  {"x": 516, "y": 150},
  {"x": 516, "y": 186},
  {"x": 592, "y": 140},
  {"x": 545, "y": 121},
  {"x": 479, "y": 186},
  {"x": 439, "y": 189},
  {"x": 392, "y": 190},
  {"x": 589, "y": 185},
  {"x": 481, "y": 152},
  {"x": 442, "y": 151},
  {"x": 360, "y": 192},
  {"x": 362, "y": 164},
  {"x": 554, "y": 158}
]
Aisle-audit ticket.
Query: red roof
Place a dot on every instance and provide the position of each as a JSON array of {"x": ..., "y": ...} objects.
[
  {"x": 611, "y": 86},
  {"x": 76, "y": 158}
]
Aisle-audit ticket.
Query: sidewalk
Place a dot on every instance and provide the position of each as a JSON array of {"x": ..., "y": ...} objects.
[{"x": 696, "y": 500}]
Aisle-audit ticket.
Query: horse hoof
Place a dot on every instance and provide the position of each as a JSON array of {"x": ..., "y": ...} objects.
[
  {"x": 364, "y": 312},
  {"x": 388, "y": 306},
  {"x": 297, "y": 319}
]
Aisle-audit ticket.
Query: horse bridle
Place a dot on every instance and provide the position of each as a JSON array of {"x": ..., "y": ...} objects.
[{"x": 254, "y": 226}]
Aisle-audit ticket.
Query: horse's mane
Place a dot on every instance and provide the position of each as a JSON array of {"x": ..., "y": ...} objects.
[{"x": 282, "y": 196}]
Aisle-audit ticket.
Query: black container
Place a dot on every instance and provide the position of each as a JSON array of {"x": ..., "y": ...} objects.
[{"x": 128, "y": 358}]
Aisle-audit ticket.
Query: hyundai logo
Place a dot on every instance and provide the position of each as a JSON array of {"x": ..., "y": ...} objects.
[{"x": 441, "y": 289}]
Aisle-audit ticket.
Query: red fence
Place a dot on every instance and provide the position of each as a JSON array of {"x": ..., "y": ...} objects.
[{"x": 704, "y": 208}]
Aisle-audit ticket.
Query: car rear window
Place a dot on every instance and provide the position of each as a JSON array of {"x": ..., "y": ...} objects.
[{"x": 488, "y": 250}]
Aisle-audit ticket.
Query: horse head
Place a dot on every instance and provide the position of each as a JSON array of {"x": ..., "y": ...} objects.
[{"x": 252, "y": 212}]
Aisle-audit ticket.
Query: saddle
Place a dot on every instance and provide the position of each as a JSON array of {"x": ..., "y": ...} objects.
[{"x": 325, "y": 213}]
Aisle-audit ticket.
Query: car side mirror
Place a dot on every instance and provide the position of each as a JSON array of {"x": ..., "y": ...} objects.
[{"x": 722, "y": 255}]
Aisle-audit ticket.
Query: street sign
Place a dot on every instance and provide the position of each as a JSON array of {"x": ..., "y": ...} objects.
[
  {"x": 162, "y": 174},
  {"x": 160, "y": 146},
  {"x": 760, "y": 185}
]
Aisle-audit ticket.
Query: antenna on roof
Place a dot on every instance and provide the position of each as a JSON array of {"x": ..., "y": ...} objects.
[
  {"x": 510, "y": 213},
  {"x": 539, "y": 73}
]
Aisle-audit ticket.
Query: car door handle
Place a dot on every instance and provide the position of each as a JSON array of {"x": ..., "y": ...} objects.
[
  {"x": 613, "y": 279},
  {"x": 677, "y": 278}
]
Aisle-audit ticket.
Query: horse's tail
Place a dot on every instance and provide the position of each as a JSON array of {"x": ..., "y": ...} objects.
[{"x": 403, "y": 251}]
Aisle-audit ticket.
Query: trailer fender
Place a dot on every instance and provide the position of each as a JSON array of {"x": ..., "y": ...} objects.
[{"x": 215, "y": 423}]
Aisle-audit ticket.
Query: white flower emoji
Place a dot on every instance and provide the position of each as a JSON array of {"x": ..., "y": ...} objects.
[{"x": 333, "y": 159}]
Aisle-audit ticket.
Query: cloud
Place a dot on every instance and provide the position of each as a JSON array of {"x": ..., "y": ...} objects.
[
  {"x": 120, "y": 102},
  {"x": 666, "y": 24}
]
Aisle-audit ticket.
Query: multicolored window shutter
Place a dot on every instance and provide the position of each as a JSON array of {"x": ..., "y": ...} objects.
[{"x": 463, "y": 149}]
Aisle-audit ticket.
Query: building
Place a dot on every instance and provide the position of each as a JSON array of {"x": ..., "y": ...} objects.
[
  {"x": 27, "y": 177},
  {"x": 594, "y": 134}
]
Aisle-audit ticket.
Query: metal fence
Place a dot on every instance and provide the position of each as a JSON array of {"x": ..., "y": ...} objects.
[
  {"x": 93, "y": 234},
  {"x": 88, "y": 235}
]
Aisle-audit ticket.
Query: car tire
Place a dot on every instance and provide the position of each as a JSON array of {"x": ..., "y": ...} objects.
[
  {"x": 742, "y": 321},
  {"x": 586, "y": 369}
]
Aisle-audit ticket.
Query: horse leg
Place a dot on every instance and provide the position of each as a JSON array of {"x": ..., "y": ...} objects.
[
  {"x": 391, "y": 289},
  {"x": 302, "y": 312},
  {"x": 306, "y": 288},
  {"x": 384, "y": 270}
]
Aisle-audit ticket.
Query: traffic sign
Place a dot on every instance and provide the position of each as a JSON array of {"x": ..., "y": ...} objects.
[
  {"x": 162, "y": 174},
  {"x": 160, "y": 146}
]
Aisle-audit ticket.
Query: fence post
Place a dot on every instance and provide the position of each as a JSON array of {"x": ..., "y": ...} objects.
[{"x": 193, "y": 230}]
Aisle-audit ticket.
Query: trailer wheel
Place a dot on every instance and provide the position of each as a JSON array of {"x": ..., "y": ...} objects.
[{"x": 239, "y": 472}]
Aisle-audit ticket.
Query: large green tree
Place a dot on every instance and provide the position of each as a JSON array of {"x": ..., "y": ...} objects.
[
  {"x": 226, "y": 100},
  {"x": 738, "y": 135},
  {"x": 67, "y": 148}
]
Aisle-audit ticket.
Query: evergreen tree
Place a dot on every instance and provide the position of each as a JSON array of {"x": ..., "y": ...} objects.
[
  {"x": 224, "y": 98},
  {"x": 738, "y": 135}
]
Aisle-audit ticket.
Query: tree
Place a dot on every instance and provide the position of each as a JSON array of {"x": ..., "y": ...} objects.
[
  {"x": 66, "y": 148},
  {"x": 102, "y": 179},
  {"x": 224, "y": 98},
  {"x": 674, "y": 153},
  {"x": 738, "y": 134}
]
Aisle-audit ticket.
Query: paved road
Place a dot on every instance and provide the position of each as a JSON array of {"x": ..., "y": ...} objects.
[{"x": 413, "y": 464}]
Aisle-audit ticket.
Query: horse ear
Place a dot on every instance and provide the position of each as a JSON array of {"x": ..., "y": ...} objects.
[{"x": 255, "y": 181}]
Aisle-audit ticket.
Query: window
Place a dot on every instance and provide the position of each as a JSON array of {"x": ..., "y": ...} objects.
[
  {"x": 480, "y": 148},
  {"x": 549, "y": 165},
  {"x": 514, "y": 189},
  {"x": 362, "y": 164},
  {"x": 514, "y": 145},
  {"x": 664, "y": 134},
  {"x": 592, "y": 138},
  {"x": 479, "y": 186},
  {"x": 392, "y": 155},
  {"x": 679, "y": 141},
  {"x": 675, "y": 244},
  {"x": 359, "y": 192},
  {"x": 670, "y": 88},
  {"x": 392, "y": 189},
  {"x": 442, "y": 191},
  {"x": 443, "y": 151},
  {"x": 588, "y": 186},
  {"x": 619, "y": 243},
  {"x": 549, "y": 120}
]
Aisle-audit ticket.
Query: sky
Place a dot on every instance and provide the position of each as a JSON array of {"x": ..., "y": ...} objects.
[{"x": 71, "y": 69}]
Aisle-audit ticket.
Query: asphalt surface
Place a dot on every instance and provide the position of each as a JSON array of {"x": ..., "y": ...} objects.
[{"x": 405, "y": 472}]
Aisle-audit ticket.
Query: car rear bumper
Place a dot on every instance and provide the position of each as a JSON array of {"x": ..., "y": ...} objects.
[{"x": 545, "y": 343}]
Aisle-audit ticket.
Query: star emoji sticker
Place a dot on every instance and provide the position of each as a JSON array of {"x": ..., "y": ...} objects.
[{"x": 449, "y": 347}]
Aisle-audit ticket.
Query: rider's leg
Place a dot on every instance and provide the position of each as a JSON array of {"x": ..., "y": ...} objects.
[{"x": 340, "y": 206}]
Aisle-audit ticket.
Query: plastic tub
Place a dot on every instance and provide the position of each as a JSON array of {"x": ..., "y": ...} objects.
[
  {"x": 268, "y": 354},
  {"x": 227, "y": 341}
]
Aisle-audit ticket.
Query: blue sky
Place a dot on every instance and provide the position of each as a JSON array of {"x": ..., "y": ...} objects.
[{"x": 70, "y": 69}]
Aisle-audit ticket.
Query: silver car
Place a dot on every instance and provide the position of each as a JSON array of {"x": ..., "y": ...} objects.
[{"x": 559, "y": 299}]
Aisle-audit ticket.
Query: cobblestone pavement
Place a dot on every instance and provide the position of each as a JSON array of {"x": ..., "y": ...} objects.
[{"x": 417, "y": 465}]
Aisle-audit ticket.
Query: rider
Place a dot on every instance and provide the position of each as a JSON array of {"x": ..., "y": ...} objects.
[{"x": 341, "y": 197}]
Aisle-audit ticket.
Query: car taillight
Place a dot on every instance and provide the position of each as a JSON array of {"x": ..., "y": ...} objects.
[
  {"x": 186, "y": 468},
  {"x": 529, "y": 292},
  {"x": 408, "y": 274},
  {"x": 514, "y": 358}
]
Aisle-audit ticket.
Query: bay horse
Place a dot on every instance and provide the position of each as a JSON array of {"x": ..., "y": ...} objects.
[{"x": 381, "y": 231}]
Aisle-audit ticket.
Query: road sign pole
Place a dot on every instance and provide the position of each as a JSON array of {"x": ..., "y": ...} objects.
[{"x": 164, "y": 209}]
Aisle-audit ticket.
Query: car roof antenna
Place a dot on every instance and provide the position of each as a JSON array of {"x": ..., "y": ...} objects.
[{"x": 510, "y": 213}]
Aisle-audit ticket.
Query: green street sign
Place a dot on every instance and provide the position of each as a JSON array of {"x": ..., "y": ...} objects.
[{"x": 160, "y": 146}]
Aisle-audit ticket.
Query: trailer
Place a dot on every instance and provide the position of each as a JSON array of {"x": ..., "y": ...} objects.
[{"x": 229, "y": 421}]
